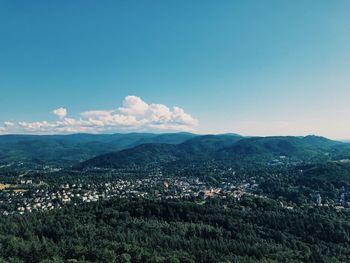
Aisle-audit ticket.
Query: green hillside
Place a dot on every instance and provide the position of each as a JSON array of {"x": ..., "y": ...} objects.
[
  {"x": 220, "y": 147},
  {"x": 71, "y": 149}
]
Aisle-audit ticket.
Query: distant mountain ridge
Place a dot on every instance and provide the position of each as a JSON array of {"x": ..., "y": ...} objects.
[
  {"x": 71, "y": 149},
  {"x": 218, "y": 147},
  {"x": 119, "y": 150}
]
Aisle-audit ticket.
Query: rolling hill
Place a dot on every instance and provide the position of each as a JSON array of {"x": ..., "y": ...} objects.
[
  {"x": 219, "y": 147},
  {"x": 71, "y": 149}
]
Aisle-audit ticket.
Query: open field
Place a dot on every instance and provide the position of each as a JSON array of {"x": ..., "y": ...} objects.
[{"x": 4, "y": 186}]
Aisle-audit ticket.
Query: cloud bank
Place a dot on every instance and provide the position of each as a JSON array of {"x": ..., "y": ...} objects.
[{"x": 134, "y": 115}]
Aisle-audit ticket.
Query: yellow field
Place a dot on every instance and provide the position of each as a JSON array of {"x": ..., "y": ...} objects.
[{"x": 4, "y": 186}]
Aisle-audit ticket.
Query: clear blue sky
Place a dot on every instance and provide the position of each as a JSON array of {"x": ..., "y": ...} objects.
[{"x": 252, "y": 67}]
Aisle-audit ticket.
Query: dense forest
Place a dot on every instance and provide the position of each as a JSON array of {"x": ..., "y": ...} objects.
[{"x": 140, "y": 230}]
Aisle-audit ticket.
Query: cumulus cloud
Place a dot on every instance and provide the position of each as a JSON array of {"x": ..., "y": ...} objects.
[
  {"x": 8, "y": 124},
  {"x": 133, "y": 105},
  {"x": 60, "y": 112},
  {"x": 134, "y": 115}
]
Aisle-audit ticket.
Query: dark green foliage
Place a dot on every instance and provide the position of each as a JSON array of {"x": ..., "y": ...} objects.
[
  {"x": 142, "y": 155},
  {"x": 297, "y": 184},
  {"x": 207, "y": 144},
  {"x": 255, "y": 230},
  {"x": 288, "y": 146}
]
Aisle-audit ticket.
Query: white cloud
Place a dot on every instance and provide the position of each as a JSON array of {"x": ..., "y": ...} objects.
[
  {"x": 8, "y": 124},
  {"x": 6, "y": 128},
  {"x": 134, "y": 115},
  {"x": 60, "y": 112},
  {"x": 159, "y": 113},
  {"x": 96, "y": 114},
  {"x": 180, "y": 116},
  {"x": 133, "y": 105},
  {"x": 37, "y": 126}
]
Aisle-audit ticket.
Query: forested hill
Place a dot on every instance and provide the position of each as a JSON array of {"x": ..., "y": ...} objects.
[
  {"x": 147, "y": 231},
  {"x": 223, "y": 147},
  {"x": 116, "y": 150},
  {"x": 71, "y": 149}
]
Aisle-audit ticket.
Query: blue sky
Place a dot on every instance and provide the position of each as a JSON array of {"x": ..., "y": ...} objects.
[{"x": 251, "y": 67}]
